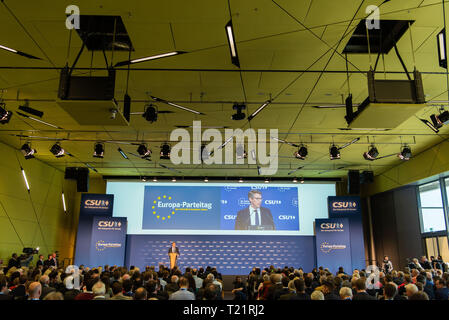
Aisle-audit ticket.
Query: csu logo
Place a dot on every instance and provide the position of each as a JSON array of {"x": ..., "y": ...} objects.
[
  {"x": 109, "y": 224},
  {"x": 284, "y": 217},
  {"x": 273, "y": 201},
  {"x": 327, "y": 226},
  {"x": 229, "y": 217},
  {"x": 96, "y": 203},
  {"x": 346, "y": 204}
]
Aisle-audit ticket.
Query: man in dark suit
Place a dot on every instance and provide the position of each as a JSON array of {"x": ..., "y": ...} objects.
[
  {"x": 254, "y": 215},
  {"x": 361, "y": 294},
  {"x": 173, "y": 249},
  {"x": 40, "y": 262}
]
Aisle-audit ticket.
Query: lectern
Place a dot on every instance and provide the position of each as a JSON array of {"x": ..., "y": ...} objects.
[{"x": 173, "y": 257}]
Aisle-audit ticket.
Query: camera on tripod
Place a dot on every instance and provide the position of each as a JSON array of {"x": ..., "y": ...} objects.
[{"x": 30, "y": 250}]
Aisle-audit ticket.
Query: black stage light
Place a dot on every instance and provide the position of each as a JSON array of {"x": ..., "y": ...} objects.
[
  {"x": 301, "y": 153},
  {"x": 98, "y": 150},
  {"x": 150, "y": 113},
  {"x": 439, "y": 120},
  {"x": 405, "y": 154},
  {"x": 239, "y": 115},
  {"x": 57, "y": 150},
  {"x": 372, "y": 154},
  {"x": 143, "y": 151},
  {"x": 27, "y": 151},
  {"x": 334, "y": 153},
  {"x": 5, "y": 115},
  {"x": 165, "y": 152}
]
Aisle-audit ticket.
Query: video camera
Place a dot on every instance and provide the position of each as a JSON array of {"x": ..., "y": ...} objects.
[{"x": 30, "y": 250}]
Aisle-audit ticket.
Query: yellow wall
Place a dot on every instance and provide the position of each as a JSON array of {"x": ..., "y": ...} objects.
[
  {"x": 34, "y": 219},
  {"x": 431, "y": 162}
]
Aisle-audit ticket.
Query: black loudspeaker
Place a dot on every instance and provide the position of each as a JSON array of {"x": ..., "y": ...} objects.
[
  {"x": 81, "y": 175},
  {"x": 82, "y": 180},
  {"x": 353, "y": 182},
  {"x": 366, "y": 177}
]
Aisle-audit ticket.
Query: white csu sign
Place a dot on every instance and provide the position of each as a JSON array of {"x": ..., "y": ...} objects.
[{"x": 257, "y": 143}]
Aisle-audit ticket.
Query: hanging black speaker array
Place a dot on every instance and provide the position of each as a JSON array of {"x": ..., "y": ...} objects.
[
  {"x": 81, "y": 175},
  {"x": 353, "y": 182}
]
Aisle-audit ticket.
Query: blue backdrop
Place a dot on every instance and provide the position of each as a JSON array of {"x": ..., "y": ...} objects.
[
  {"x": 333, "y": 244},
  {"x": 349, "y": 207},
  {"x": 232, "y": 255},
  {"x": 108, "y": 241}
]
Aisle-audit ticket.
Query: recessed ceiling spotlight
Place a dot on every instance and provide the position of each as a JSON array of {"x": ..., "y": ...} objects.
[{"x": 173, "y": 179}]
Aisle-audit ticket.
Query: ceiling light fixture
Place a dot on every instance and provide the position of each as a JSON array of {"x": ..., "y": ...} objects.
[
  {"x": 232, "y": 45},
  {"x": 240, "y": 180},
  {"x": 239, "y": 115},
  {"x": 99, "y": 150},
  {"x": 27, "y": 151},
  {"x": 150, "y": 113},
  {"x": 122, "y": 153},
  {"x": 206, "y": 180},
  {"x": 442, "y": 56},
  {"x": 158, "y": 56},
  {"x": 430, "y": 125},
  {"x": 25, "y": 178},
  {"x": 334, "y": 153},
  {"x": 5, "y": 115},
  {"x": 38, "y": 120},
  {"x": 372, "y": 153},
  {"x": 439, "y": 120},
  {"x": 154, "y": 179},
  {"x": 295, "y": 180},
  {"x": 301, "y": 153},
  {"x": 175, "y": 105},
  {"x": 173, "y": 179},
  {"x": 165, "y": 152},
  {"x": 266, "y": 103},
  {"x": 143, "y": 151},
  {"x": 23, "y": 54},
  {"x": 405, "y": 154},
  {"x": 63, "y": 203},
  {"x": 57, "y": 150}
]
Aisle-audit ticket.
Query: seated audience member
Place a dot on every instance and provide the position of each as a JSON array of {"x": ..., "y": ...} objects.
[
  {"x": 173, "y": 285},
  {"x": 183, "y": 293},
  {"x": 70, "y": 291},
  {"x": 46, "y": 289},
  {"x": 54, "y": 295},
  {"x": 87, "y": 294},
  {"x": 410, "y": 290},
  {"x": 441, "y": 290},
  {"x": 99, "y": 291},
  {"x": 317, "y": 295},
  {"x": 239, "y": 291},
  {"x": 301, "y": 293},
  {"x": 390, "y": 291},
  {"x": 210, "y": 292},
  {"x": 345, "y": 293},
  {"x": 328, "y": 290},
  {"x": 19, "y": 292},
  {"x": 34, "y": 291},
  {"x": 4, "y": 291},
  {"x": 420, "y": 295},
  {"x": 361, "y": 293},
  {"x": 140, "y": 294},
  {"x": 117, "y": 291}
]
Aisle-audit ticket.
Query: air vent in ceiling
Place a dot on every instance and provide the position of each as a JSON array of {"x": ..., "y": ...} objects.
[{"x": 381, "y": 40}]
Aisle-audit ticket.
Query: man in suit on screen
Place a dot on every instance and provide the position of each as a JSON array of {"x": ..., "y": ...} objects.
[{"x": 254, "y": 216}]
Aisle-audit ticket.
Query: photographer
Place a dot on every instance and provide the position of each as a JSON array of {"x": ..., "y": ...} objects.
[
  {"x": 27, "y": 256},
  {"x": 13, "y": 262},
  {"x": 387, "y": 266}
]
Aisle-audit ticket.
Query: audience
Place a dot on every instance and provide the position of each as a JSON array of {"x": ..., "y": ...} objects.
[{"x": 419, "y": 280}]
